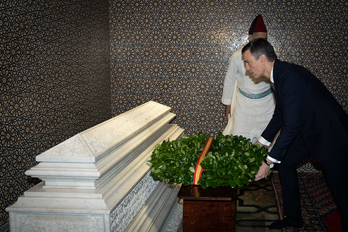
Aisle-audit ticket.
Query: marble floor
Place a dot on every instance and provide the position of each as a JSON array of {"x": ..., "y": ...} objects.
[{"x": 256, "y": 207}]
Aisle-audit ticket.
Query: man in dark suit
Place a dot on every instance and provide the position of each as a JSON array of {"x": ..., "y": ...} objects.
[{"x": 312, "y": 123}]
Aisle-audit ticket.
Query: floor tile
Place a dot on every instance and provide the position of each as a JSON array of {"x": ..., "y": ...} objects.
[{"x": 256, "y": 207}]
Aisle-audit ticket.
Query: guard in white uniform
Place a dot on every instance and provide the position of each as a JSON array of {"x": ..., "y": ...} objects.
[{"x": 254, "y": 99}]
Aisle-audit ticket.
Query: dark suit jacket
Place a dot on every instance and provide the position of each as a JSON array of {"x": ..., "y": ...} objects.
[{"x": 304, "y": 104}]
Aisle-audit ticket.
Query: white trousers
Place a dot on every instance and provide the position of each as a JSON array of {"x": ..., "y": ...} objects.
[{"x": 251, "y": 116}]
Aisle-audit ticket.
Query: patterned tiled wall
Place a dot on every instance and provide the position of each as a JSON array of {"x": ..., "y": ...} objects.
[
  {"x": 176, "y": 51},
  {"x": 54, "y": 83}
]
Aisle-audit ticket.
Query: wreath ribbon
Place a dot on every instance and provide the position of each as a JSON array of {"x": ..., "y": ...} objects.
[{"x": 198, "y": 170}]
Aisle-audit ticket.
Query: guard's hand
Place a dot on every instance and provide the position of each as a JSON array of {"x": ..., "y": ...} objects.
[
  {"x": 227, "y": 111},
  {"x": 263, "y": 172}
]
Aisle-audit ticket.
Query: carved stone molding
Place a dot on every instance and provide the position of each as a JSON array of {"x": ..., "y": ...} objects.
[
  {"x": 125, "y": 212},
  {"x": 57, "y": 222}
]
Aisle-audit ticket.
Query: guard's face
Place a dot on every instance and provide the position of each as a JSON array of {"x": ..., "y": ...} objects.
[{"x": 253, "y": 66}]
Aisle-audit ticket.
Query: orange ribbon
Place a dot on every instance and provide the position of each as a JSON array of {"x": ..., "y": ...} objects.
[{"x": 198, "y": 170}]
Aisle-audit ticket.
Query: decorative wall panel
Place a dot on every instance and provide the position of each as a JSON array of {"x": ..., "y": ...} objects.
[
  {"x": 176, "y": 51},
  {"x": 54, "y": 81}
]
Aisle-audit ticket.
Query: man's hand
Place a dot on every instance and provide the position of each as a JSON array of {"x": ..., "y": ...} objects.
[
  {"x": 263, "y": 172},
  {"x": 257, "y": 142},
  {"x": 264, "y": 168},
  {"x": 227, "y": 111}
]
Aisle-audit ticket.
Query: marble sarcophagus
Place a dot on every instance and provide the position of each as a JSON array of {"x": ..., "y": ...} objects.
[{"x": 99, "y": 179}]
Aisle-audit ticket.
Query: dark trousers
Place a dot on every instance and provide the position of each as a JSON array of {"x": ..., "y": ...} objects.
[
  {"x": 334, "y": 171},
  {"x": 336, "y": 174}
]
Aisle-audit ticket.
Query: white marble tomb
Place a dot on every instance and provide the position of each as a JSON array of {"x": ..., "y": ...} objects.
[{"x": 99, "y": 180}]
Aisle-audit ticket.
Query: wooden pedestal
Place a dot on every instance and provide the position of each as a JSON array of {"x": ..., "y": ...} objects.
[{"x": 210, "y": 209}]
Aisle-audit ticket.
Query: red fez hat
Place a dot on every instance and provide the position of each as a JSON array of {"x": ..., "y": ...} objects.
[{"x": 257, "y": 25}]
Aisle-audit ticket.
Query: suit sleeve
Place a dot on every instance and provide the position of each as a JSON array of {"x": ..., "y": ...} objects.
[
  {"x": 274, "y": 125},
  {"x": 290, "y": 88}
]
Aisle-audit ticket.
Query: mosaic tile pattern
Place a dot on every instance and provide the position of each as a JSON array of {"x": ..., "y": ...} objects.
[
  {"x": 176, "y": 52},
  {"x": 54, "y": 81}
]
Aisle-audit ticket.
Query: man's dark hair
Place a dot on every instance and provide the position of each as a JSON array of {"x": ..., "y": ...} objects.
[{"x": 260, "y": 46}]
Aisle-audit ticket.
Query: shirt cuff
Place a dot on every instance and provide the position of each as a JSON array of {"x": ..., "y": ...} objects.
[
  {"x": 264, "y": 141},
  {"x": 273, "y": 160},
  {"x": 226, "y": 101}
]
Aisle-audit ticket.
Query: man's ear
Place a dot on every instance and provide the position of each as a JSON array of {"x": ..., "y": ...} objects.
[
  {"x": 250, "y": 37},
  {"x": 263, "y": 58}
]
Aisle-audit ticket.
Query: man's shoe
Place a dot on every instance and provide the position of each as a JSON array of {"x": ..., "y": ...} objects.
[{"x": 287, "y": 222}]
